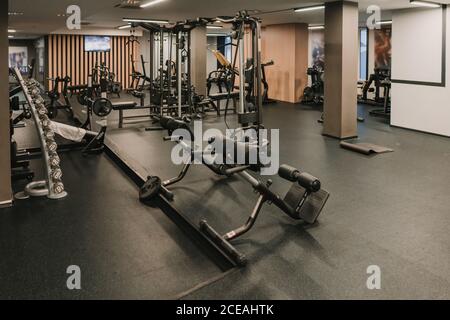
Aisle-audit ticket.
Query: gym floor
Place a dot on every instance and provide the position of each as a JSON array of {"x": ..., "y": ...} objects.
[{"x": 390, "y": 210}]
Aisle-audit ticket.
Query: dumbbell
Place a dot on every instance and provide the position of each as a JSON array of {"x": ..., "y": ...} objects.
[
  {"x": 52, "y": 146},
  {"x": 49, "y": 134},
  {"x": 38, "y": 100},
  {"x": 54, "y": 159},
  {"x": 56, "y": 173},
  {"x": 42, "y": 110},
  {"x": 304, "y": 179},
  {"x": 34, "y": 91},
  {"x": 58, "y": 187},
  {"x": 45, "y": 124},
  {"x": 41, "y": 107}
]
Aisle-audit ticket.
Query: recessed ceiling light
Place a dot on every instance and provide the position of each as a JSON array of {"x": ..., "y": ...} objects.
[
  {"x": 60, "y": 14},
  {"x": 425, "y": 4},
  {"x": 125, "y": 26},
  {"x": 316, "y": 27},
  {"x": 145, "y": 20},
  {"x": 151, "y": 3},
  {"x": 312, "y": 8},
  {"x": 14, "y": 13},
  {"x": 214, "y": 27},
  {"x": 11, "y": 31},
  {"x": 385, "y": 22}
]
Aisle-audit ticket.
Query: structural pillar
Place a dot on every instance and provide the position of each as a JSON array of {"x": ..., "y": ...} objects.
[
  {"x": 341, "y": 69},
  {"x": 198, "y": 60},
  {"x": 5, "y": 150}
]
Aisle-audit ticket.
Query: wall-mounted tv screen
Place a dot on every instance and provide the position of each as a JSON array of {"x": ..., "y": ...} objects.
[{"x": 97, "y": 43}]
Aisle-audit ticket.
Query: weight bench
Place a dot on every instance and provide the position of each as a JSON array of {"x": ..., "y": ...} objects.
[
  {"x": 216, "y": 98},
  {"x": 304, "y": 200},
  {"x": 128, "y": 105}
]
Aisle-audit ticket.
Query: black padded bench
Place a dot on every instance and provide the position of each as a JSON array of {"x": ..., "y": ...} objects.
[
  {"x": 129, "y": 105},
  {"x": 216, "y": 98}
]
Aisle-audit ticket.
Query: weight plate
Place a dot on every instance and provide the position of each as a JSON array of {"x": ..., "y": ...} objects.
[
  {"x": 102, "y": 107},
  {"x": 150, "y": 189}
]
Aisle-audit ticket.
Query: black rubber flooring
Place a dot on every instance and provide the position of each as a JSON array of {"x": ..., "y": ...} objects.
[
  {"x": 125, "y": 250},
  {"x": 391, "y": 210}
]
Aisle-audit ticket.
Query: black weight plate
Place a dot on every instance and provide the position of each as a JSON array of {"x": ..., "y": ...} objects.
[
  {"x": 102, "y": 107},
  {"x": 150, "y": 189}
]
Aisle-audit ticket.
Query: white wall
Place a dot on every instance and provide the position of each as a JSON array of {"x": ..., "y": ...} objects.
[{"x": 416, "y": 56}]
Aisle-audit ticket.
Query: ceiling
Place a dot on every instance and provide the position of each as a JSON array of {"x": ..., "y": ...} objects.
[{"x": 41, "y": 16}]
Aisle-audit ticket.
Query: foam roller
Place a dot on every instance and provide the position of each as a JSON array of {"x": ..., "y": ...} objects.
[{"x": 305, "y": 180}]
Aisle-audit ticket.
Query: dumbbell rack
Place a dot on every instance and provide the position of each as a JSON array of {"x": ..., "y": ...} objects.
[{"x": 52, "y": 186}]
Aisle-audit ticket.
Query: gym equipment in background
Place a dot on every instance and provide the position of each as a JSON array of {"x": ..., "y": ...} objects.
[
  {"x": 375, "y": 84},
  {"x": 54, "y": 95},
  {"x": 52, "y": 186},
  {"x": 306, "y": 198},
  {"x": 171, "y": 91},
  {"x": 266, "y": 99},
  {"x": 104, "y": 77},
  {"x": 19, "y": 162},
  {"x": 384, "y": 112},
  {"x": 314, "y": 94},
  {"x": 89, "y": 142}
]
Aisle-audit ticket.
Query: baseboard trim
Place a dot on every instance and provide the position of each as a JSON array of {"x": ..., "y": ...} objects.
[
  {"x": 420, "y": 131},
  {"x": 338, "y": 138}
]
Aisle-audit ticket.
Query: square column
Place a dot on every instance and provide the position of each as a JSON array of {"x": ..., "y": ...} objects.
[
  {"x": 341, "y": 69},
  {"x": 198, "y": 60}
]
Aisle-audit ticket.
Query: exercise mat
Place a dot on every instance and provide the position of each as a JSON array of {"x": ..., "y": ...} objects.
[{"x": 364, "y": 148}]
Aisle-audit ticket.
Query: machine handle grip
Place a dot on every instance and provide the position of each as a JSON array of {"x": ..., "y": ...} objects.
[{"x": 304, "y": 179}]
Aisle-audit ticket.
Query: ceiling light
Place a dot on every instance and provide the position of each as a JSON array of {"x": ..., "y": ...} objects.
[
  {"x": 316, "y": 27},
  {"x": 124, "y": 27},
  {"x": 312, "y": 8},
  {"x": 217, "y": 35},
  {"x": 214, "y": 27},
  {"x": 145, "y": 20},
  {"x": 428, "y": 4},
  {"x": 384, "y": 22},
  {"x": 10, "y": 37},
  {"x": 14, "y": 13},
  {"x": 148, "y": 4},
  {"x": 11, "y": 31}
]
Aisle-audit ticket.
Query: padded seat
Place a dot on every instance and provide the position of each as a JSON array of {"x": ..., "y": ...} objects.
[
  {"x": 124, "y": 105},
  {"x": 121, "y": 106},
  {"x": 216, "y": 98}
]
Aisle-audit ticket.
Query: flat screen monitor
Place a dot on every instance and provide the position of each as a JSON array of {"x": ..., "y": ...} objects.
[{"x": 97, "y": 43}]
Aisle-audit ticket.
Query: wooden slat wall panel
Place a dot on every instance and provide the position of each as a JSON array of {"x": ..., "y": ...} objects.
[{"x": 66, "y": 57}]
